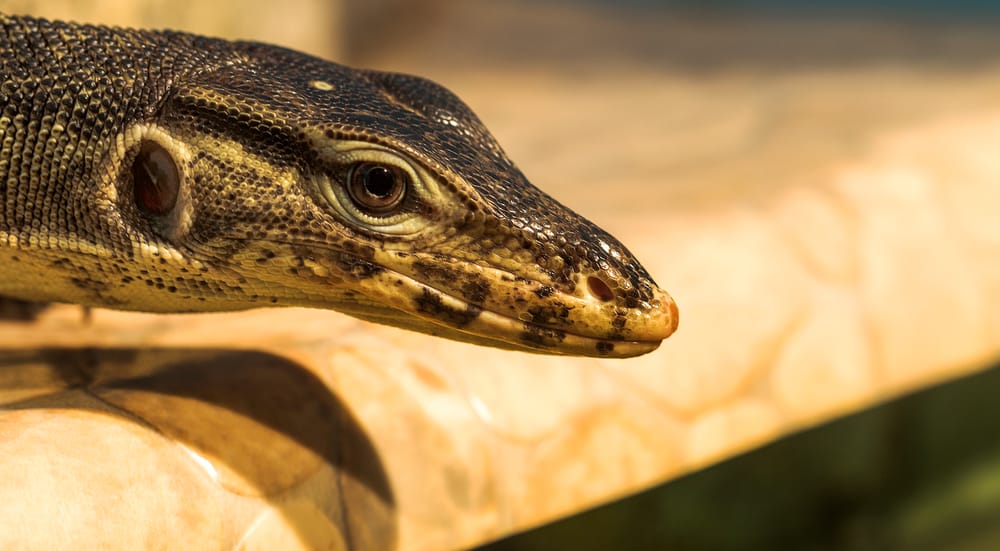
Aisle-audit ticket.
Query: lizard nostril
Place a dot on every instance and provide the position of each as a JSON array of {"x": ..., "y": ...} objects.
[{"x": 599, "y": 289}]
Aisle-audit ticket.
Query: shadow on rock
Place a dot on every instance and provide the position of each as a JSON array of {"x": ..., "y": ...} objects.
[{"x": 260, "y": 424}]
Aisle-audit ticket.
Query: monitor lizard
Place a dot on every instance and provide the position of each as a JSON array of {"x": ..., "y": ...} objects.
[{"x": 161, "y": 171}]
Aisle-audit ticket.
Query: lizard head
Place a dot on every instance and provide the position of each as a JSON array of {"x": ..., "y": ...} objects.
[{"x": 303, "y": 182}]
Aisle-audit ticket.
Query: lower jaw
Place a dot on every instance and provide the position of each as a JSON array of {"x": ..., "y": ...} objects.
[
  {"x": 499, "y": 331},
  {"x": 570, "y": 345},
  {"x": 440, "y": 314}
]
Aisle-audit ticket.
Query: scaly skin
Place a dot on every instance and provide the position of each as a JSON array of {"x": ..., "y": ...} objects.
[{"x": 264, "y": 141}]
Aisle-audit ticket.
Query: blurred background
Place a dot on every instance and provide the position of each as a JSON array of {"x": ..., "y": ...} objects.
[
  {"x": 631, "y": 110},
  {"x": 918, "y": 473}
]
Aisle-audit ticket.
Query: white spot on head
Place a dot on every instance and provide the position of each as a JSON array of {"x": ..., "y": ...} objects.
[
  {"x": 321, "y": 85},
  {"x": 445, "y": 117}
]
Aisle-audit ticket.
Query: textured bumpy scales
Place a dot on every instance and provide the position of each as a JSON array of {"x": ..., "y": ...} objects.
[{"x": 263, "y": 138}]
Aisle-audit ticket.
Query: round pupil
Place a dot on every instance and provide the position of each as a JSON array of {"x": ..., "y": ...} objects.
[{"x": 379, "y": 182}]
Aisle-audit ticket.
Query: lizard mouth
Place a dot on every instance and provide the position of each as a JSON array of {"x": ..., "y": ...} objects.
[{"x": 405, "y": 302}]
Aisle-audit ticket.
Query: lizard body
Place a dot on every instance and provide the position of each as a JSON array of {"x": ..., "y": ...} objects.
[{"x": 167, "y": 172}]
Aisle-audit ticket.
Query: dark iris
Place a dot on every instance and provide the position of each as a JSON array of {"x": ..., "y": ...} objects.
[
  {"x": 155, "y": 179},
  {"x": 377, "y": 188}
]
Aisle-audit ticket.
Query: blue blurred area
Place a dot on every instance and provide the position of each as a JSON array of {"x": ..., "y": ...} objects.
[
  {"x": 921, "y": 5},
  {"x": 961, "y": 8}
]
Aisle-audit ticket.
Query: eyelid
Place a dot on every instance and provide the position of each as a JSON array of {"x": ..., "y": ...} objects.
[{"x": 333, "y": 186}]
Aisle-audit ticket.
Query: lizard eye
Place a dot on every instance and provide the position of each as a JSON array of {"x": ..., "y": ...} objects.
[
  {"x": 377, "y": 188},
  {"x": 155, "y": 179},
  {"x": 374, "y": 189}
]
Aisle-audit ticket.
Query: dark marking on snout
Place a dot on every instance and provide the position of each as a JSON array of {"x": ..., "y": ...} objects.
[
  {"x": 550, "y": 315},
  {"x": 362, "y": 250},
  {"x": 604, "y": 348},
  {"x": 544, "y": 337},
  {"x": 346, "y": 262},
  {"x": 545, "y": 291},
  {"x": 360, "y": 269},
  {"x": 430, "y": 303},
  {"x": 474, "y": 289},
  {"x": 430, "y": 272},
  {"x": 619, "y": 322}
]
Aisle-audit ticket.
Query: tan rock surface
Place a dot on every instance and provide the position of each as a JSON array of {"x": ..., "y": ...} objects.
[{"x": 828, "y": 232}]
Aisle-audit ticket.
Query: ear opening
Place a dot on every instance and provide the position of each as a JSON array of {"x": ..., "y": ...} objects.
[{"x": 152, "y": 180}]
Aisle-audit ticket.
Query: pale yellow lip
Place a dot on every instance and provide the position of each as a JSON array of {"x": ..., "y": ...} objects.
[{"x": 471, "y": 323}]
